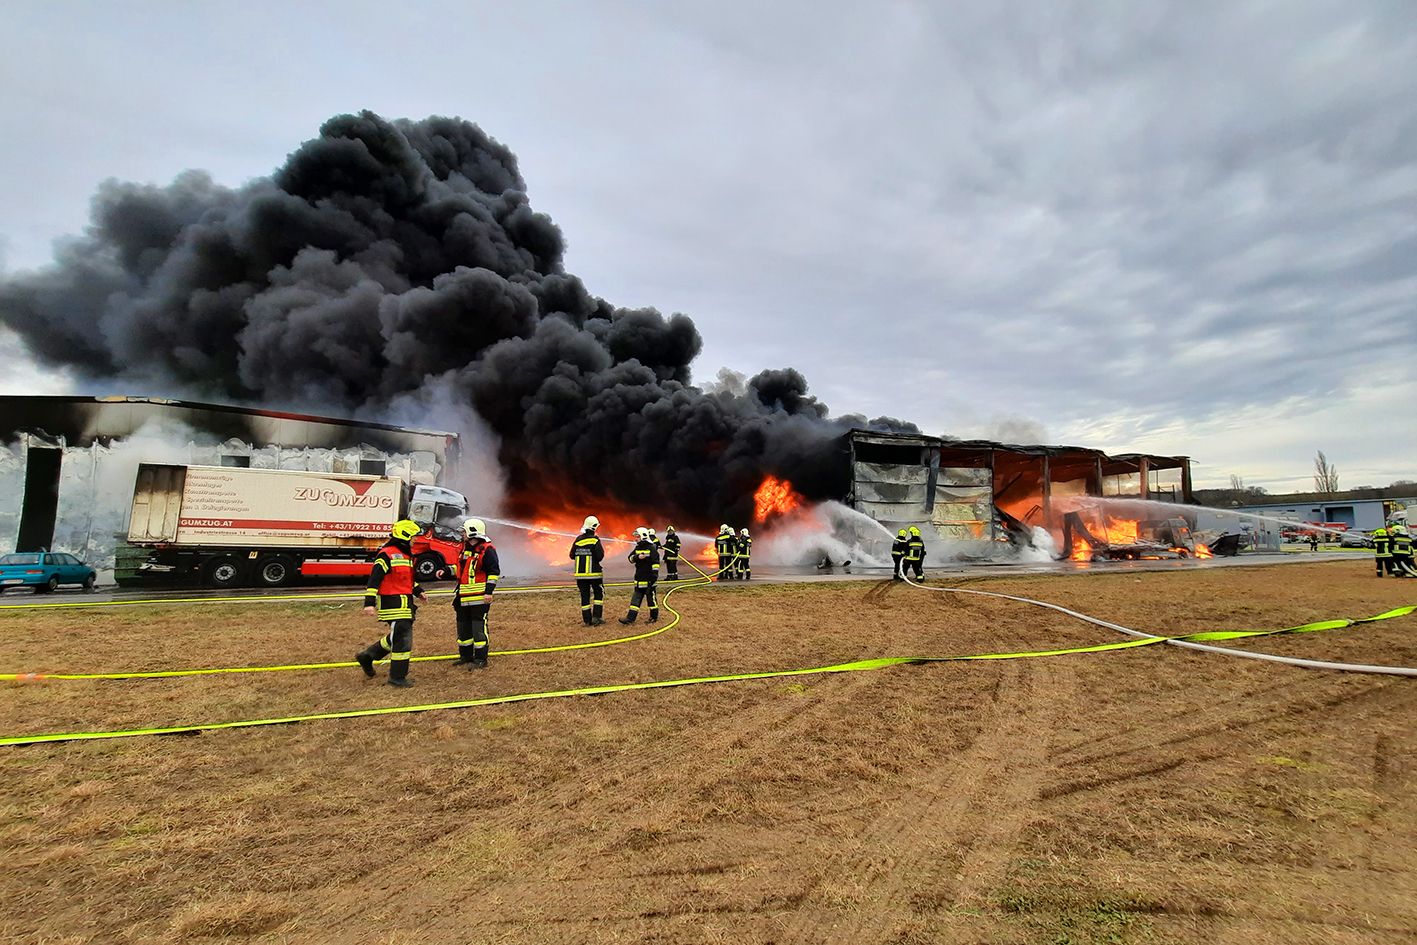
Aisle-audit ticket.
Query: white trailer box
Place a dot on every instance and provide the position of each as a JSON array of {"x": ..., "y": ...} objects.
[{"x": 233, "y": 506}]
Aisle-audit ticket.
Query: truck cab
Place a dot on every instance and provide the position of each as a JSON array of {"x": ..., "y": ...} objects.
[{"x": 441, "y": 513}]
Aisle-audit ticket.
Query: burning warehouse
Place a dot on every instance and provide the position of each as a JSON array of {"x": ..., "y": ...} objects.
[{"x": 979, "y": 495}]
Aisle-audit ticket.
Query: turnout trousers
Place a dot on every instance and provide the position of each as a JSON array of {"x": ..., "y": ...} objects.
[
  {"x": 897, "y": 570},
  {"x": 472, "y": 631},
  {"x": 644, "y": 592},
  {"x": 397, "y": 645},
  {"x": 672, "y": 566},
  {"x": 592, "y": 598},
  {"x": 725, "y": 567}
]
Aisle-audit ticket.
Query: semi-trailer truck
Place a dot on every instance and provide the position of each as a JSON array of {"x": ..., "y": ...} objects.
[{"x": 234, "y": 526}]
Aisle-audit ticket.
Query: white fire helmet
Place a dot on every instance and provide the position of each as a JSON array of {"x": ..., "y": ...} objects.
[
  {"x": 743, "y": 531},
  {"x": 474, "y": 528},
  {"x": 732, "y": 534},
  {"x": 724, "y": 529},
  {"x": 642, "y": 533},
  {"x": 651, "y": 532},
  {"x": 591, "y": 523}
]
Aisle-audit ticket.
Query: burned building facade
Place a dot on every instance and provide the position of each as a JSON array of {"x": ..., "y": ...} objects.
[{"x": 978, "y": 492}]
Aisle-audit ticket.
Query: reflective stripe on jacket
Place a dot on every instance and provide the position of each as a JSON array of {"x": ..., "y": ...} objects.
[
  {"x": 645, "y": 558},
  {"x": 477, "y": 572},
  {"x": 587, "y": 552},
  {"x": 392, "y": 586}
]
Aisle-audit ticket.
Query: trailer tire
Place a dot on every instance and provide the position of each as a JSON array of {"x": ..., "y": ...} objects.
[
  {"x": 430, "y": 567},
  {"x": 224, "y": 571},
  {"x": 276, "y": 571}
]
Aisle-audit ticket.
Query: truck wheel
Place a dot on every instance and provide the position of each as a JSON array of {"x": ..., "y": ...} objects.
[
  {"x": 224, "y": 572},
  {"x": 276, "y": 571},
  {"x": 429, "y": 567}
]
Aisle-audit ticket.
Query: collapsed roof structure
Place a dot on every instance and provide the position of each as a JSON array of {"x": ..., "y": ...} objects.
[{"x": 983, "y": 491}]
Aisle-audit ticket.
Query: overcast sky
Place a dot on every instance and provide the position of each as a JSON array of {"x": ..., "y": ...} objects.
[{"x": 1184, "y": 228}]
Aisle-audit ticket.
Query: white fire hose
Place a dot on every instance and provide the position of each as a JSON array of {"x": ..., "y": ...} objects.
[{"x": 1227, "y": 651}]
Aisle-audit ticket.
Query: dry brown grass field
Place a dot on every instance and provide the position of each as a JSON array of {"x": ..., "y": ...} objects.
[{"x": 1144, "y": 795}]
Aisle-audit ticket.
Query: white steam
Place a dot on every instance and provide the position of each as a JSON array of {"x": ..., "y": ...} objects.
[{"x": 826, "y": 531}]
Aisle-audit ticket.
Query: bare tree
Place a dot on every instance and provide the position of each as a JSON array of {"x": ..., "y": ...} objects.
[
  {"x": 1237, "y": 483},
  {"x": 1325, "y": 475}
]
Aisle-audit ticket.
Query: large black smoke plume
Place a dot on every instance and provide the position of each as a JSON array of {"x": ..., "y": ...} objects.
[{"x": 389, "y": 265}]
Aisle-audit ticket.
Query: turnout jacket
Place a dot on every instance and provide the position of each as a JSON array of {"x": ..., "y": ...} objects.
[
  {"x": 899, "y": 547},
  {"x": 915, "y": 549},
  {"x": 478, "y": 573},
  {"x": 587, "y": 552},
  {"x": 671, "y": 546},
  {"x": 726, "y": 546},
  {"x": 1382, "y": 546},
  {"x": 745, "y": 545},
  {"x": 392, "y": 586},
  {"x": 645, "y": 558}
]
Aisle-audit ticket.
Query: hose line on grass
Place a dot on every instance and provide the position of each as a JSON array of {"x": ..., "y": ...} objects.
[
  {"x": 1191, "y": 641},
  {"x": 858, "y": 666}
]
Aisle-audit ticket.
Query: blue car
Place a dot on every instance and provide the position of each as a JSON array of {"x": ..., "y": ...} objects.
[{"x": 44, "y": 571}]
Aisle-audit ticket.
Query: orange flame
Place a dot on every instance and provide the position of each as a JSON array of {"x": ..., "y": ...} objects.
[
  {"x": 1203, "y": 552},
  {"x": 774, "y": 497}
]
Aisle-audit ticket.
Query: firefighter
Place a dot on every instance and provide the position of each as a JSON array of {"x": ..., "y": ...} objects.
[
  {"x": 645, "y": 557},
  {"x": 745, "y": 555},
  {"x": 898, "y": 549},
  {"x": 915, "y": 553},
  {"x": 587, "y": 552},
  {"x": 1382, "y": 551},
  {"x": 1401, "y": 544},
  {"x": 727, "y": 547},
  {"x": 478, "y": 573},
  {"x": 389, "y": 596},
  {"x": 671, "y": 553}
]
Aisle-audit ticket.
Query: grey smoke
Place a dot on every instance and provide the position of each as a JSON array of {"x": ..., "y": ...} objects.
[{"x": 391, "y": 266}]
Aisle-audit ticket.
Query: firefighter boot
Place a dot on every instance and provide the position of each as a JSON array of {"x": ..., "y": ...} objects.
[
  {"x": 630, "y": 618},
  {"x": 366, "y": 662},
  {"x": 466, "y": 656},
  {"x": 398, "y": 674}
]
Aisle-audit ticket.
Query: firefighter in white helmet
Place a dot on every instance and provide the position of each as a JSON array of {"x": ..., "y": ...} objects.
[
  {"x": 587, "y": 552},
  {"x": 744, "y": 565},
  {"x": 645, "y": 557},
  {"x": 478, "y": 573},
  {"x": 726, "y": 547}
]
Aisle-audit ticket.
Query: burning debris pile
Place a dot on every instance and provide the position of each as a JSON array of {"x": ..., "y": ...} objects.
[
  {"x": 1111, "y": 538},
  {"x": 395, "y": 270}
]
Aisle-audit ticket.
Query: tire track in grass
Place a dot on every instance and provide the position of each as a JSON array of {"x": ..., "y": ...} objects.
[{"x": 946, "y": 836}]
